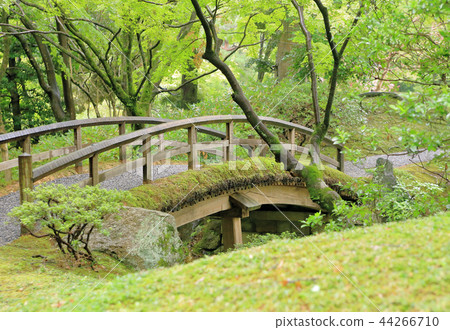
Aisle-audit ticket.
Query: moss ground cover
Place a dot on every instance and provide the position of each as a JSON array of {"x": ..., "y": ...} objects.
[
  {"x": 35, "y": 268},
  {"x": 398, "y": 266}
]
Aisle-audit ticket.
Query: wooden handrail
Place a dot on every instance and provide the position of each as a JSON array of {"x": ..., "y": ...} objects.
[
  {"x": 100, "y": 147},
  {"x": 73, "y": 124},
  {"x": 24, "y": 136}
]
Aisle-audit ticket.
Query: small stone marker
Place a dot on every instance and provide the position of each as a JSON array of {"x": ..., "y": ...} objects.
[{"x": 384, "y": 173}]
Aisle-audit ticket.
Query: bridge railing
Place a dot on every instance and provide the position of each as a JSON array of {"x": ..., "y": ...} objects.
[
  {"x": 24, "y": 137},
  {"x": 223, "y": 148}
]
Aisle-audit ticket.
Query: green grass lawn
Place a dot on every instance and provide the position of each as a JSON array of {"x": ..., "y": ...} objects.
[{"x": 390, "y": 267}]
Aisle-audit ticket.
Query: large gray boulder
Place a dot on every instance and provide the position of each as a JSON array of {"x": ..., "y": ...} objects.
[{"x": 141, "y": 238}]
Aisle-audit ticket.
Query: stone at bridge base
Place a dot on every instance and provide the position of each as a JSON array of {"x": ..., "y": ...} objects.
[{"x": 141, "y": 238}]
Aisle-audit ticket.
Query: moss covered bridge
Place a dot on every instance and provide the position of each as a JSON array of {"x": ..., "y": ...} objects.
[{"x": 233, "y": 191}]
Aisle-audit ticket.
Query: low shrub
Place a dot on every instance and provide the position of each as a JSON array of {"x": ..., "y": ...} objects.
[{"x": 68, "y": 215}]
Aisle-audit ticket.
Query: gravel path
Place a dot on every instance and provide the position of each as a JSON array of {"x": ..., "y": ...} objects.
[
  {"x": 10, "y": 229},
  {"x": 358, "y": 170}
]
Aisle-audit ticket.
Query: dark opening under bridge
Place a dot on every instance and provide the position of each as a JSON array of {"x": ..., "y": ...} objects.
[{"x": 219, "y": 143}]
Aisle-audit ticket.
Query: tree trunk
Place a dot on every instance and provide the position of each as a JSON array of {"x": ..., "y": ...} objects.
[
  {"x": 318, "y": 190},
  {"x": 3, "y": 67},
  {"x": 260, "y": 69},
  {"x": 189, "y": 91},
  {"x": 315, "y": 151},
  {"x": 285, "y": 45},
  {"x": 65, "y": 77},
  {"x": 47, "y": 80},
  {"x": 14, "y": 94}
]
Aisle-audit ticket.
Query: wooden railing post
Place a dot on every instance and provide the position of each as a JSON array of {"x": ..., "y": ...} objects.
[
  {"x": 25, "y": 176},
  {"x": 78, "y": 146},
  {"x": 228, "y": 153},
  {"x": 292, "y": 141},
  {"x": 162, "y": 146},
  {"x": 26, "y": 145},
  {"x": 231, "y": 232},
  {"x": 161, "y": 143},
  {"x": 148, "y": 160},
  {"x": 251, "y": 150},
  {"x": 340, "y": 159},
  {"x": 193, "y": 163},
  {"x": 5, "y": 156},
  {"x": 93, "y": 170},
  {"x": 122, "y": 149}
]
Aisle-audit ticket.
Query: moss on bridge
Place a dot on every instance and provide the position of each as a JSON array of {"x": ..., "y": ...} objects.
[{"x": 188, "y": 188}]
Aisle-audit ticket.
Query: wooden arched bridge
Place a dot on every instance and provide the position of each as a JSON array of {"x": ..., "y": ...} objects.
[{"x": 217, "y": 142}]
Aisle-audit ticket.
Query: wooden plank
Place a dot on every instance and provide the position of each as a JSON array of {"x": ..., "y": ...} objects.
[
  {"x": 13, "y": 163},
  {"x": 202, "y": 209},
  {"x": 329, "y": 160},
  {"x": 244, "y": 202},
  {"x": 208, "y": 146},
  {"x": 167, "y": 154},
  {"x": 289, "y": 195},
  {"x": 54, "y": 153},
  {"x": 214, "y": 152}
]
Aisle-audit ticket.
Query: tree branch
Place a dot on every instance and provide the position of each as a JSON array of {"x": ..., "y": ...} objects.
[
  {"x": 312, "y": 69},
  {"x": 148, "y": 69}
]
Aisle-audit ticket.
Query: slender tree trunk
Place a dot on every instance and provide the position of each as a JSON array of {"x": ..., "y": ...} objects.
[
  {"x": 190, "y": 90},
  {"x": 3, "y": 67},
  {"x": 47, "y": 80},
  {"x": 260, "y": 69},
  {"x": 264, "y": 55},
  {"x": 315, "y": 152},
  {"x": 318, "y": 190},
  {"x": 14, "y": 94},
  {"x": 285, "y": 45},
  {"x": 97, "y": 112},
  {"x": 65, "y": 77}
]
